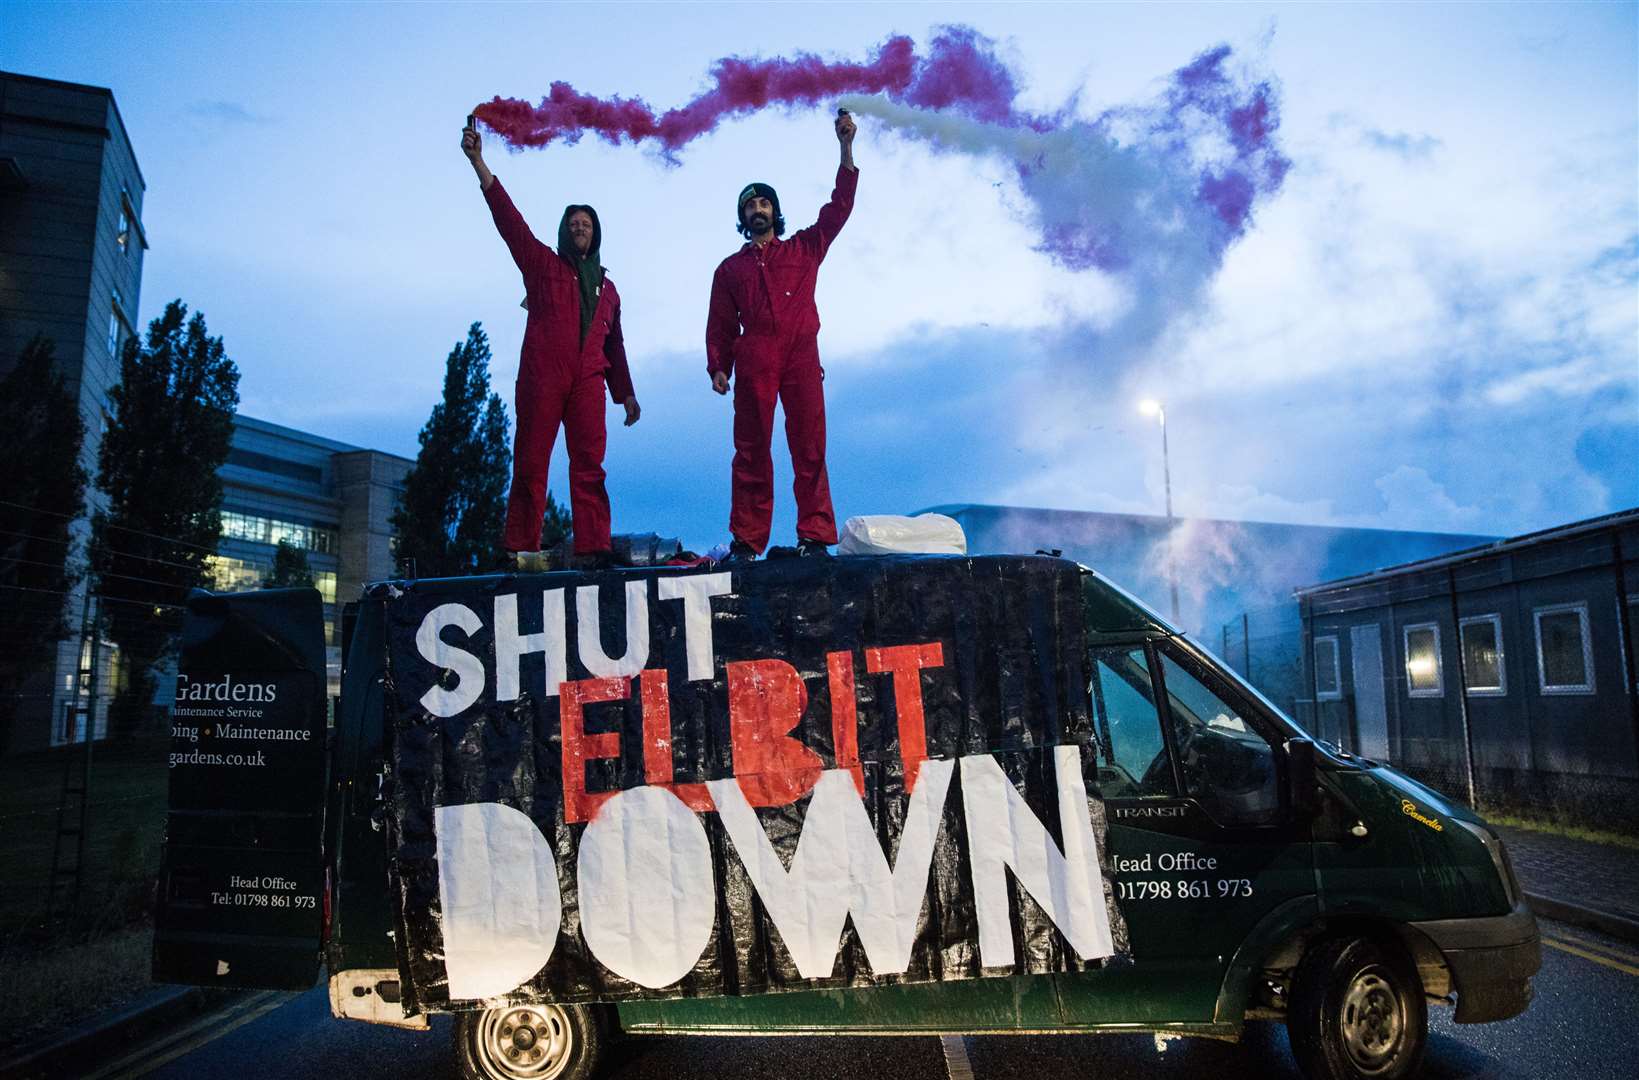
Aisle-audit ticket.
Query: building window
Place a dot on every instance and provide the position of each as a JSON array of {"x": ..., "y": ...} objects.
[
  {"x": 116, "y": 325},
  {"x": 1422, "y": 643},
  {"x": 123, "y": 237},
  {"x": 1484, "y": 672},
  {"x": 325, "y": 582},
  {"x": 235, "y": 575},
  {"x": 1328, "y": 683},
  {"x": 1564, "y": 652},
  {"x": 261, "y": 530}
]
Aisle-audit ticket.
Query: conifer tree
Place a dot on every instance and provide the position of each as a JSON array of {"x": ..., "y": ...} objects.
[
  {"x": 171, "y": 428},
  {"x": 452, "y": 514},
  {"x": 556, "y": 526},
  {"x": 42, "y": 493},
  {"x": 290, "y": 567}
]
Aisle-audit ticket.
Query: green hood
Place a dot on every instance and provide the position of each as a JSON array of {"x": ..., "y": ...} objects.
[{"x": 588, "y": 266}]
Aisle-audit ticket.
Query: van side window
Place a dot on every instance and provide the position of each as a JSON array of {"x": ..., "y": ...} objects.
[
  {"x": 1227, "y": 766},
  {"x": 1136, "y": 762}
]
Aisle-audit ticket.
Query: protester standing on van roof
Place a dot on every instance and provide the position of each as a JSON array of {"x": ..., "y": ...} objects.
[
  {"x": 572, "y": 347},
  {"x": 763, "y": 328}
]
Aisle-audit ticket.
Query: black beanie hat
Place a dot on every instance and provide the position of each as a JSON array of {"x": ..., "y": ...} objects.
[{"x": 766, "y": 191}]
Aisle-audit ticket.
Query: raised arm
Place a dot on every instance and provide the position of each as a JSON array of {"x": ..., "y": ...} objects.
[
  {"x": 508, "y": 222},
  {"x": 834, "y": 214},
  {"x": 722, "y": 328}
]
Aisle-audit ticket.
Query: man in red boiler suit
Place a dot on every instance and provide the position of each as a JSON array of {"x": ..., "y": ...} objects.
[
  {"x": 763, "y": 330},
  {"x": 573, "y": 347}
]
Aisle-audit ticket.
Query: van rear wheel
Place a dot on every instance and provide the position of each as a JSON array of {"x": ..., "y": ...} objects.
[
  {"x": 538, "y": 1041},
  {"x": 1357, "y": 1013}
]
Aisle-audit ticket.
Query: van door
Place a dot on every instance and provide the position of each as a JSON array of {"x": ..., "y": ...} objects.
[
  {"x": 1201, "y": 843},
  {"x": 242, "y": 872}
]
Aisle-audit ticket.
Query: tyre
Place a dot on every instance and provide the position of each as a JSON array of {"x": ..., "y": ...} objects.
[
  {"x": 1357, "y": 1013},
  {"x": 538, "y": 1041}
]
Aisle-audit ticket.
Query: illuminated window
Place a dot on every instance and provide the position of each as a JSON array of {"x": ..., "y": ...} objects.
[
  {"x": 1564, "y": 656},
  {"x": 236, "y": 575},
  {"x": 1422, "y": 643},
  {"x": 1484, "y": 672},
  {"x": 325, "y": 582},
  {"x": 1328, "y": 684},
  {"x": 261, "y": 530}
]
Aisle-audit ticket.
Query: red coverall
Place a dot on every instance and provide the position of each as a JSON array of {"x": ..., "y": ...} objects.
[
  {"x": 560, "y": 380},
  {"x": 763, "y": 324}
]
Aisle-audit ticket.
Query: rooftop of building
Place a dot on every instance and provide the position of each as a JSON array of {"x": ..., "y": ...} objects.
[
  {"x": 952, "y": 509},
  {"x": 113, "y": 103},
  {"x": 267, "y": 427},
  {"x": 1615, "y": 520}
]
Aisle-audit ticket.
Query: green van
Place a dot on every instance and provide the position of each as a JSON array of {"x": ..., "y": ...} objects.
[{"x": 1252, "y": 873}]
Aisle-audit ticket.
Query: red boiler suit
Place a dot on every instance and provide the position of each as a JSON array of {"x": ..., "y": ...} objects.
[
  {"x": 560, "y": 381},
  {"x": 763, "y": 328}
]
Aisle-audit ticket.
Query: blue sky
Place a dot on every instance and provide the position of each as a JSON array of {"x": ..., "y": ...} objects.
[{"x": 1433, "y": 325}]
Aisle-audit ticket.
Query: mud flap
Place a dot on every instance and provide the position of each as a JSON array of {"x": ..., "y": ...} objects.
[{"x": 241, "y": 886}]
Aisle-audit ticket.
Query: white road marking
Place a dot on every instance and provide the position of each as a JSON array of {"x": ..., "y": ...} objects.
[
  {"x": 208, "y": 1028},
  {"x": 957, "y": 1066}
]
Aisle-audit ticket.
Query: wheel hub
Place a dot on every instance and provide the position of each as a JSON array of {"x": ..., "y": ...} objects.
[
  {"x": 525, "y": 1042},
  {"x": 1372, "y": 1020}
]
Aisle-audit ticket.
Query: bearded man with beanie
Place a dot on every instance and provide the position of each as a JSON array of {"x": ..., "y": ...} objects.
[
  {"x": 762, "y": 330},
  {"x": 573, "y": 348}
]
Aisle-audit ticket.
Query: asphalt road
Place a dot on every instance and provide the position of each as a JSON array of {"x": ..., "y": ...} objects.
[{"x": 1584, "y": 1023}]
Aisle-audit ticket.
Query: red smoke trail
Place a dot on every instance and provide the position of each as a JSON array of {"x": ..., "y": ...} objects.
[
  {"x": 959, "y": 73},
  {"x": 1109, "y": 193}
]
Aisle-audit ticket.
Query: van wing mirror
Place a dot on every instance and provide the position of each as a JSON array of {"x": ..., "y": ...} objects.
[{"x": 1300, "y": 776}]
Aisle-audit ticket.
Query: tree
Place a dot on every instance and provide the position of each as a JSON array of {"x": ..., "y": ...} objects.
[
  {"x": 453, "y": 511},
  {"x": 290, "y": 567},
  {"x": 42, "y": 493},
  {"x": 172, "y": 423},
  {"x": 556, "y": 527}
]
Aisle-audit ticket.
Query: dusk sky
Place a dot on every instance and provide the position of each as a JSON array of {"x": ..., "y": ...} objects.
[{"x": 1432, "y": 323}]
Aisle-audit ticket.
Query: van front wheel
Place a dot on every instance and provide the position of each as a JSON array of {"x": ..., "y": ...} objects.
[
  {"x": 539, "y": 1041},
  {"x": 1357, "y": 1013}
]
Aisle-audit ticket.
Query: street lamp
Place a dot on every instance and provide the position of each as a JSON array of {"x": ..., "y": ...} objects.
[{"x": 1152, "y": 407}]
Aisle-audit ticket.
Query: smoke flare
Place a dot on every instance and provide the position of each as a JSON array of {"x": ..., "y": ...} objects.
[{"x": 1152, "y": 195}]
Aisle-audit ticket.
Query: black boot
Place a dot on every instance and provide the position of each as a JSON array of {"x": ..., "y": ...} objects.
[
  {"x": 598, "y": 560},
  {"x": 739, "y": 552},
  {"x": 808, "y": 549}
]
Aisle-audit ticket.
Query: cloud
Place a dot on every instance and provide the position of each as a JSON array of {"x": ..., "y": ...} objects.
[
  {"x": 1410, "y": 147},
  {"x": 227, "y": 113},
  {"x": 1411, "y": 495}
]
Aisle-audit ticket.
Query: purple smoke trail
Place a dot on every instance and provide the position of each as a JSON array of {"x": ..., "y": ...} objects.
[{"x": 1152, "y": 195}]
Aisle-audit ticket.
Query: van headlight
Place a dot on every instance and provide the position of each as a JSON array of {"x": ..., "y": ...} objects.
[{"x": 1499, "y": 858}]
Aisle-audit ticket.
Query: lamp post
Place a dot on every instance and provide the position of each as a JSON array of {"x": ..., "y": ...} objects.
[{"x": 1151, "y": 407}]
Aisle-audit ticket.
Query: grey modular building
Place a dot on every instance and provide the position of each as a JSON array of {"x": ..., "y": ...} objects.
[{"x": 1503, "y": 674}]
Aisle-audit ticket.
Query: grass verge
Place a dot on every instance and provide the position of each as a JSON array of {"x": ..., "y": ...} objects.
[
  {"x": 1557, "y": 828},
  {"x": 49, "y": 991}
]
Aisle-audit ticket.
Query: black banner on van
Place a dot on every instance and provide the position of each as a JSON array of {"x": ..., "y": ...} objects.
[
  {"x": 242, "y": 874},
  {"x": 790, "y": 775}
]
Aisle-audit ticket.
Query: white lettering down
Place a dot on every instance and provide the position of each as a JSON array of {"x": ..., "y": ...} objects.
[
  {"x": 589, "y": 634},
  {"x": 648, "y": 894},
  {"x": 1003, "y": 832},
  {"x": 498, "y": 890},
  {"x": 696, "y": 591},
  {"x": 468, "y": 669},
  {"x": 511, "y": 645},
  {"x": 840, "y": 869}
]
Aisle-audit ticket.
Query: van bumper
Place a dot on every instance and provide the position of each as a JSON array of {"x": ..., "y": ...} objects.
[{"x": 1491, "y": 960}]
